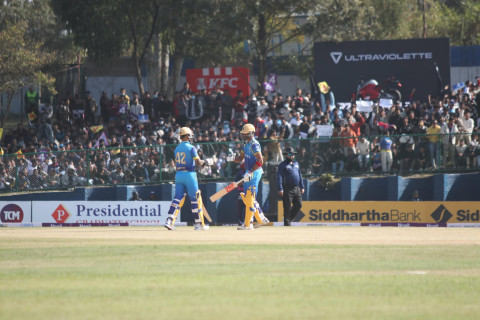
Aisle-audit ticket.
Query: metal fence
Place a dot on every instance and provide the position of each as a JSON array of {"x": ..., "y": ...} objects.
[{"x": 50, "y": 170}]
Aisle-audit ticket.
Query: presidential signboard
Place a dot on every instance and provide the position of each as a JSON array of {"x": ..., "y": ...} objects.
[{"x": 413, "y": 62}]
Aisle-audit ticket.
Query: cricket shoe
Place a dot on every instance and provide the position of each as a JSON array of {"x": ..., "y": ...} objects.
[
  {"x": 168, "y": 224},
  {"x": 199, "y": 226},
  {"x": 243, "y": 227},
  {"x": 264, "y": 222}
]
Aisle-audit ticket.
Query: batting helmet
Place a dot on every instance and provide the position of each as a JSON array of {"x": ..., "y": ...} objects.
[
  {"x": 247, "y": 131},
  {"x": 186, "y": 131}
]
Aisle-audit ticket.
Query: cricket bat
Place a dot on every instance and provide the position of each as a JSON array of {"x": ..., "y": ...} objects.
[
  {"x": 205, "y": 213},
  {"x": 224, "y": 191}
]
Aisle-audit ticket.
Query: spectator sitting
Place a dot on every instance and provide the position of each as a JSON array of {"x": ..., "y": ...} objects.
[
  {"x": 70, "y": 178},
  {"x": 421, "y": 158},
  {"x": 135, "y": 196}
]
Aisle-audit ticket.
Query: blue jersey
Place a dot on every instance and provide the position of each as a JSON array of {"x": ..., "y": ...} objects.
[
  {"x": 250, "y": 150},
  {"x": 386, "y": 144},
  {"x": 185, "y": 155}
]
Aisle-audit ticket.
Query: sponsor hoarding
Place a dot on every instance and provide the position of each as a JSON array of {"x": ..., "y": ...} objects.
[
  {"x": 231, "y": 78},
  {"x": 388, "y": 213},
  {"x": 413, "y": 62},
  {"x": 146, "y": 213},
  {"x": 15, "y": 212}
]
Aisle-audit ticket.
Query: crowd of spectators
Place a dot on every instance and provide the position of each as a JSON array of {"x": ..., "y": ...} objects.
[{"x": 75, "y": 140}]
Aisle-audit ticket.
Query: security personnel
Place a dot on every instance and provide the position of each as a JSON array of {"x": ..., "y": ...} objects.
[{"x": 290, "y": 186}]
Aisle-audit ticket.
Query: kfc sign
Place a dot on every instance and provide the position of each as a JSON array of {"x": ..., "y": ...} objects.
[{"x": 229, "y": 78}]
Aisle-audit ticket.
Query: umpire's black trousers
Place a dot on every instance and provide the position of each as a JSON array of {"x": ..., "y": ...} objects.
[{"x": 292, "y": 202}]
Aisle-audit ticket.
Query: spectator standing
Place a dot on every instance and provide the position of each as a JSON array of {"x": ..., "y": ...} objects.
[
  {"x": 45, "y": 110},
  {"x": 449, "y": 137},
  {"x": 238, "y": 106},
  {"x": 386, "y": 152},
  {"x": 348, "y": 139},
  {"x": 31, "y": 100},
  {"x": 363, "y": 150},
  {"x": 91, "y": 107},
  {"x": 136, "y": 109},
  {"x": 467, "y": 123},
  {"x": 104, "y": 103},
  {"x": 434, "y": 146},
  {"x": 290, "y": 186}
]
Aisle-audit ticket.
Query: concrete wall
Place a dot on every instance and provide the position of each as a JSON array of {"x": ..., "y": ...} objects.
[{"x": 441, "y": 187}]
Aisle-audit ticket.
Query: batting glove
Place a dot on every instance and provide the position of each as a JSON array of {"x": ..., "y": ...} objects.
[
  {"x": 231, "y": 157},
  {"x": 248, "y": 176}
]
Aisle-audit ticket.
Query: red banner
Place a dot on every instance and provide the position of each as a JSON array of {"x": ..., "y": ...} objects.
[{"x": 228, "y": 78}]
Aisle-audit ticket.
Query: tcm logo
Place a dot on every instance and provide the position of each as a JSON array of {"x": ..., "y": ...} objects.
[
  {"x": 11, "y": 213},
  {"x": 336, "y": 56},
  {"x": 60, "y": 215},
  {"x": 441, "y": 214}
]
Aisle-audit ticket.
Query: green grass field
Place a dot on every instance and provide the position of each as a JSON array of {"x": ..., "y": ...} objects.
[{"x": 269, "y": 273}]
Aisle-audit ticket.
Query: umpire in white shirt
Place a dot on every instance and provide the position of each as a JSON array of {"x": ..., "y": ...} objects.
[{"x": 290, "y": 186}]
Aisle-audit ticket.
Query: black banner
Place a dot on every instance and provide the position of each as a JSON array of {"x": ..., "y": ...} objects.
[{"x": 412, "y": 62}]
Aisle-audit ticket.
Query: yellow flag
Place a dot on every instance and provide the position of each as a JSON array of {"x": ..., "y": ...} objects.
[
  {"x": 324, "y": 87},
  {"x": 96, "y": 129},
  {"x": 20, "y": 154},
  {"x": 32, "y": 116}
]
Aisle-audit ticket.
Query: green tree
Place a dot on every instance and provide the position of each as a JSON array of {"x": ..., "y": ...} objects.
[
  {"x": 31, "y": 47},
  {"x": 21, "y": 62},
  {"x": 110, "y": 28}
]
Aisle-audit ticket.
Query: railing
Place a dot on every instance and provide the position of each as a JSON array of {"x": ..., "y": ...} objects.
[{"x": 52, "y": 170}]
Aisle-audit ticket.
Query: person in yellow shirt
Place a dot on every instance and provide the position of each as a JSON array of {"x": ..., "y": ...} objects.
[{"x": 434, "y": 143}]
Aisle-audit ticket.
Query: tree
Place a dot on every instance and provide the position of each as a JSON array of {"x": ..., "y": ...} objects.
[
  {"x": 262, "y": 21},
  {"x": 21, "y": 62},
  {"x": 111, "y": 27}
]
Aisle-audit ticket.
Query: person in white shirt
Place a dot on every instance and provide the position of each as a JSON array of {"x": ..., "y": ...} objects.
[
  {"x": 296, "y": 119},
  {"x": 136, "y": 109},
  {"x": 468, "y": 124},
  {"x": 262, "y": 107},
  {"x": 363, "y": 151}
]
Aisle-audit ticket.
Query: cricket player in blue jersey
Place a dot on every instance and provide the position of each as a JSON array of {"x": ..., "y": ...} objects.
[
  {"x": 253, "y": 160},
  {"x": 186, "y": 181}
]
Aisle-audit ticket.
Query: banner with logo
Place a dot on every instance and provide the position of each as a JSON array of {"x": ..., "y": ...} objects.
[
  {"x": 388, "y": 213},
  {"x": 17, "y": 212},
  {"x": 231, "y": 78},
  {"x": 145, "y": 213},
  {"x": 413, "y": 62}
]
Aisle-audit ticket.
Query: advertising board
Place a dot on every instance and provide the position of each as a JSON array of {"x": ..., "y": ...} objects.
[
  {"x": 413, "y": 62},
  {"x": 388, "y": 213},
  {"x": 231, "y": 78},
  {"x": 15, "y": 212},
  {"x": 144, "y": 213}
]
